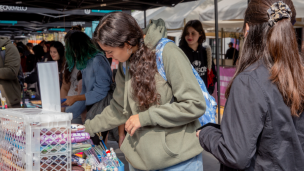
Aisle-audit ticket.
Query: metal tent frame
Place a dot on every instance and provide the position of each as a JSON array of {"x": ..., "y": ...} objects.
[
  {"x": 218, "y": 58},
  {"x": 69, "y": 5},
  {"x": 73, "y": 10}
]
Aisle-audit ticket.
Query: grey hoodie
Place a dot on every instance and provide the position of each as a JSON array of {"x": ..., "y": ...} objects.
[
  {"x": 9, "y": 84},
  {"x": 168, "y": 133}
]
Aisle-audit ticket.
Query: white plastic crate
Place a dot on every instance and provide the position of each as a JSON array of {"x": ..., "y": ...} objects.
[{"x": 35, "y": 140}]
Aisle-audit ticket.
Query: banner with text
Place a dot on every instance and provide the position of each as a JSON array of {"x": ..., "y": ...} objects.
[{"x": 226, "y": 75}]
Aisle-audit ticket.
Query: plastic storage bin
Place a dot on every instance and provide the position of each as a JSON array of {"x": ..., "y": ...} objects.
[
  {"x": 35, "y": 140},
  {"x": 120, "y": 168}
]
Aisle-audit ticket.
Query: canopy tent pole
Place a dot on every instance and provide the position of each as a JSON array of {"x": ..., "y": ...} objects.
[
  {"x": 145, "y": 18},
  {"x": 217, "y": 62},
  {"x": 222, "y": 48}
]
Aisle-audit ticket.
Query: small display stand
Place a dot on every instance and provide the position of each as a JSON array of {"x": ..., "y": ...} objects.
[{"x": 35, "y": 140}]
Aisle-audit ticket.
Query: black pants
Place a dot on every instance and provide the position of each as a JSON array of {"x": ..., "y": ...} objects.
[{"x": 96, "y": 138}]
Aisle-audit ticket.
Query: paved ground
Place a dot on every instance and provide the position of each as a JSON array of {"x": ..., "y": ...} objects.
[{"x": 209, "y": 162}]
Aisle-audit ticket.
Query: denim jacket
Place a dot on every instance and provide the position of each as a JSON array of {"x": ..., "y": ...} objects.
[{"x": 96, "y": 82}]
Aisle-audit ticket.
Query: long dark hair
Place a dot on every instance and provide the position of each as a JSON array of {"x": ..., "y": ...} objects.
[
  {"x": 197, "y": 25},
  {"x": 38, "y": 53},
  {"x": 116, "y": 29},
  {"x": 277, "y": 47},
  {"x": 25, "y": 50},
  {"x": 60, "y": 49},
  {"x": 79, "y": 49},
  {"x": 48, "y": 45}
]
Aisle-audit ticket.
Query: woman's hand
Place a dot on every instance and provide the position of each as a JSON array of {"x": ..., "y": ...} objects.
[
  {"x": 132, "y": 124},
  {"x": 197, "y": 133},
  {"x": 70, "y": 100}
]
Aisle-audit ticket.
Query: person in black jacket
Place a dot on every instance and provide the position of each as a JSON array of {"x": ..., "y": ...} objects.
[
  {"x": 263, "y": 124},
  {"x": 232, "y": 53},
  {"x": 33, "y": 77},
  {"x": 191, "y": 43}
]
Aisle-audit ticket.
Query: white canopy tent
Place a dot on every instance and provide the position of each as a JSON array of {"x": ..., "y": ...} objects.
[
  {"x": 174, "y": 16},
  {"x": 233, "y": 12},
  {"x": 177, "y": 16},
  {"x": 227, "y": 10},
  {"x": 151, "y": 13},
  {"x": 230, "y": 12}
]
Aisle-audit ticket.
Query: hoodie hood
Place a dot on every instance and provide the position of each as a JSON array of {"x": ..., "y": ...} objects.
[
  {"x": 4, "y": 41},
  {"x": 154, "y": 32}
]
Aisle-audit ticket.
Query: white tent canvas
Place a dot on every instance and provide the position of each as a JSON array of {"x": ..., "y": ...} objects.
[
  {"x": 139, "y": 15},
  {"x": 174, "y": 16},
  {"x": 235, "y": 9}
]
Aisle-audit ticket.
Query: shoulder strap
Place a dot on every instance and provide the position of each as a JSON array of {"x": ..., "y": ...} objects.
[
  {"x": 124, "y": 66},
  {"x": 159, "y": 56},
  {"x": 2, "y": 54}
]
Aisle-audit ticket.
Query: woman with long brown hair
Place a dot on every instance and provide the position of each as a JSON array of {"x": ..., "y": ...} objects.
[
  {"x": 161, "y": 135},
  {"x": 263, "y": 123}
]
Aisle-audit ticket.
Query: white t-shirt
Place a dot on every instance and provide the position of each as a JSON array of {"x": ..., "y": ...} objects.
[{"x": 74, "y": 83}]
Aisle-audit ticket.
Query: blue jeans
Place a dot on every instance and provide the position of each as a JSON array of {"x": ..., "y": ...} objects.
[
  {"x": 193, "y": 164},
  {"x": 75, "y": 120}
]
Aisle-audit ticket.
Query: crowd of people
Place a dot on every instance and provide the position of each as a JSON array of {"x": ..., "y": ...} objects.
[
  {"x": 44, "y": 52},
  {"x": 157, "y": 114}
]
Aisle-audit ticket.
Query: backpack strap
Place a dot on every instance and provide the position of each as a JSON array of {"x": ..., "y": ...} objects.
[
  {"x": 2, "y": 54},
  {"x": 210, "y": 101},
  {"x": 160, "y": 67},
  {"x": 159, "y": 56},
  {"x": 203, "y": 88},
  {"x": 124, "y": 66}
]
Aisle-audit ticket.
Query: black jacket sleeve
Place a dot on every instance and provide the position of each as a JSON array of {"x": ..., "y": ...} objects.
[
  {"x": 226, "y": 55},
  {"x": 32, "y": 78},
  {"x": 234, "y": 144}
]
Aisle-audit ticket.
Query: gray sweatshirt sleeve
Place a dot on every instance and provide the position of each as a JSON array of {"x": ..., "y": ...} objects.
[{"x": 234, "y": 145}]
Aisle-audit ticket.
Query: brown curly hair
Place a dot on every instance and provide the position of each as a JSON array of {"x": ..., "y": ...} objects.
[{"x": 118, "y": 28}]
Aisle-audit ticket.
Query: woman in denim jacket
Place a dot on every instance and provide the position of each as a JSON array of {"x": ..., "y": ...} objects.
[{"x": 95, "y": 69}]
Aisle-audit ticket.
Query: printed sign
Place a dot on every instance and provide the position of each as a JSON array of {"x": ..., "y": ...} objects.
[
  {"x": 226, "y": 75},
  {"x": 75, "y": 23},
  {"x": 87, "y": 11},
  {"x": 12, "y": 8}
]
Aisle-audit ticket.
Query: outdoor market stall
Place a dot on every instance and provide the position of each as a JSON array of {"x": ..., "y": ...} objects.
[{"x": 44, "y": 139}]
